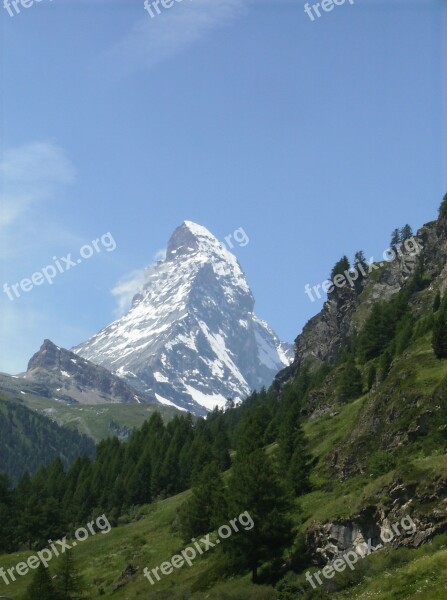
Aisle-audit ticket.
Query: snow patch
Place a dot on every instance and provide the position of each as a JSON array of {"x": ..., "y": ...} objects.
[
  {"x": 208, "y": 401},
  {"x": 167, "y": 402}
]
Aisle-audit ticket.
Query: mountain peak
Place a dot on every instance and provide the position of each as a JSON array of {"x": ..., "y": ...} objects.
[
  {"x": 191, "y": 339},
  {"x": 73, "y": 379},
  {"x": 190, "y": 238}
]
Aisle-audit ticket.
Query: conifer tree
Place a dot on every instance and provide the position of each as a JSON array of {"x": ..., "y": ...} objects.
[
  {"x": 385, "y": 363},
  {"x": 405, "y": 233},
  {"x": 293, "y": 454},
  {"x": 439, "y": 339},
  {"x": 443, "y": 207},
  {"x": 68, "y": 582},
  {"x": 340, "y": 267},
  {"x": 41, "y": 586},
  {"x": 255, "y": 487},
  {"x": 395, "y": 238},
  {"x": 372, "y": 375},
  {"x": 350, "y": 385},
  {"x": 359, "y": 259},
  {"x": 205, "y": 509}
]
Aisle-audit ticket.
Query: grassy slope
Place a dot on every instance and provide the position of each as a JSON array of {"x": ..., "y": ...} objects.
[
  {"x": 95, "y": 420},
  {"x": 388, "y": 574}
]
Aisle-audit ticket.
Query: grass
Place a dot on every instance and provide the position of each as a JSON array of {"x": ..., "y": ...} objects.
[
  {"x": 98, "y": 421},
  {"x": 95, "y": 420},
  {"x": 150, "y": 536}
]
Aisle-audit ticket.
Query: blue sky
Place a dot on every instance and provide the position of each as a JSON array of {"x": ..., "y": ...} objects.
[{"x": 317, "y": 138}]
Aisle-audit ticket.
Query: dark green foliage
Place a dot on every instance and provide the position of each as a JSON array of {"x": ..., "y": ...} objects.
[
  {"x": 443, "y": 207},
  {"x": 221, "y": 442},
  {"x": 400, "y": 235},
  {"x": 359, "y": 259},
  {"x": 68, "y": 582},
  {"x": 41, "y": 586},
  {"x": 423, "y": 325},
  {"x": 293, "y": 454},
  {"x": 340, "y": 267},
  {"x": 372, "y": 376},
  {"x": 395, "y": 238},
  {"x": 350, "y": 385},
  {"x": 404, "y": 334},
  {"x": 439, "y": 339},
  {"x": 381, "y": 463},
  {"x": 29, "y": 440},
  {"x": 158, "y": 460},
  {"x": 437, "y": 302},
  {"x": 254, "y": 486},
  {"x": 418, "y": 280},
  {"x": 381, "y": 326},
  {"x": 405, "y": 233},
  {"x": 206, "y": 509},
  {"x": 251, "y": 431},
  {"x": 385, "y": 363},
  {"x": 6, "y": 515}
]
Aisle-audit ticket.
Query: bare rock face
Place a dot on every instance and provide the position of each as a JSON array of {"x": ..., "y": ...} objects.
[
  {"x": 347, "y": 308},
  {"x": 405, "y": 522},
  {"x": 72, "y": 379}
]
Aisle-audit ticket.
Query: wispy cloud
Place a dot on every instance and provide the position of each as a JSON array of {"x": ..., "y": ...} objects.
[
  {"x": 153, "y": 40},
  {"x": 30, "y": 174},
  {"x": 133, "y": 283}
]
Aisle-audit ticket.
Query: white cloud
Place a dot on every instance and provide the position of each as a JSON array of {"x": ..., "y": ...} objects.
[
  {"x": 152, "y": 40},
  {"x": 132, "y": 284},
  {"x": 30, "y": 174}
]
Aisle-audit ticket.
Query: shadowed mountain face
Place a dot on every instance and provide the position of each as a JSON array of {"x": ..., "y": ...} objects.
[
  {"x": 72, "y": 379},
  {"x": 191, "y": 337}
]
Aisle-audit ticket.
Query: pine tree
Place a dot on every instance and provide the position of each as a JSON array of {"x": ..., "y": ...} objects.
[
  {"x": 439, "y": 339},
  {"x": 251, "y": 431},
  {"x": 359, "y": 259},
  {"x": 293, "y": 454},
  {"x": 7, "y": 515},
  {"x": 255, "y": 487},
  {"x": 372, "y": 375},
  {"x": 443, "y": 207},
  {"x": 385, "y": 363},
  {"x": 41, "y": 586},
  {"x": 350, "y": 385},
  {"x": 205, "y": 509},
  {"x": 340, "y": 267},
  {"x": 68, "y": 583},
  {"x": 437, "y": 302},
  {"x": 405, "y": 233},
  {"x": 395, "y": 238}
]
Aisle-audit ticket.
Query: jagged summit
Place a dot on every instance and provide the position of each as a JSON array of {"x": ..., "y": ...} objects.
[
  {"x": 191, "y": 337},
  {"x": 72, "y": 379}
]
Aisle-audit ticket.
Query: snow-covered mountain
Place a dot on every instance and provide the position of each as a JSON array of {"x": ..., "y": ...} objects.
[{"x": 191, "y": 338}]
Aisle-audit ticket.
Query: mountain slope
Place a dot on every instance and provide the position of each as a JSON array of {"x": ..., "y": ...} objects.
[
  {"x": 191, "y": 337},
  {"x": 72, "y": 379},
  {"x": 29, "y": 440}
]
